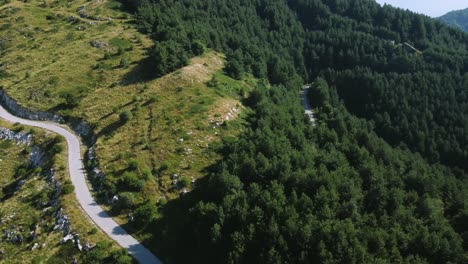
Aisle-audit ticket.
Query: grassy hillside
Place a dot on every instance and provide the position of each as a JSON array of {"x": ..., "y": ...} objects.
[
  {"x": 85, "y": 59},
  {"x": 50, "y": 53},
  {"x": 79, "y": 80},
  {"x": 30, "y": 208}
]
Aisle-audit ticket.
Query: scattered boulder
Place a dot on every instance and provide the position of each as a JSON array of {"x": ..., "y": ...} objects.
[
  {"x": 66, "y": 238},
  {"x": 115, "y": 199},
  {"x": 184, "y": 192},
  {"x": 98, "y": 44},
  {"x": 72, "y": 19},
  {"x": 34, "y": 246}
]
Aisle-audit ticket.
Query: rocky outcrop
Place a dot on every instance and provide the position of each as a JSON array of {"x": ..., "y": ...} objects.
[
  {"x": 82, "y": 129},
  {"x": 38, "y": 157},
  {"x": 18, "y": 137},
  {"x": 79, "y": 126},
  {"x": 12, "y": 106}
]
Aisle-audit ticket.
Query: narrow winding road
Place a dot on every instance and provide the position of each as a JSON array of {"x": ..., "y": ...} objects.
[{"x": 83, "y": 194}]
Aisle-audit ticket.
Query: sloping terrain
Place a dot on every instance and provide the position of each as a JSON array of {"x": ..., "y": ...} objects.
[
  {"x": 85, "y": 60},
  {"x": 457, "y": 19},
  {"x": 285, "y": 192},
  {"x": 38, "y": 210},
  {"x": 176, "y": 167}
]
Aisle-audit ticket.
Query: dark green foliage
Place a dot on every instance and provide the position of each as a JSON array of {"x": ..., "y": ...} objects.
[
  {"x": 133, "y": 164},
  {"x": 57, "y": 148},
  {"x": 337, "y": 193},
  {"x": 125, "y": 116},
  {"x": 198, "y": 48},
  {"x": 185, "y": 181},
  {"x": 182, "y": 28},
  {"x": 72, "y": 99},
  {"x": 68, "y": 188},
  {"x": 357, "y": 44},
  {"x": 168, "y": 56},
  {"x": 288, "y": 192},
  {"x": 146, "y": 213},
  {"x": 234, "y": 69},
  {"x": 127, "y": 200},
  {"x": 131, "y": 182}
]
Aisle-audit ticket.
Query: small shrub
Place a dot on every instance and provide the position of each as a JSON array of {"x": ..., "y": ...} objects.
[
  {"x": 125, "y": 116},
  {"x": 153, "y": 99},
  {"x": 162, "y": 201},
  {"x": 131, "y": 182},
  {"x": 121, "y": 51},
  {"x": 198, "y": 48},
  {"x": 71, "y": 99},
  {"x": 59, "y": 139},
  {"x": 127, "y": 200},
  {"x": 184, "y": 181},
  {"x": 37, "y": 170},
  {"x": 57, "y": 148},
  {"x": 147, "y": 174},
  {"x": 146, "y": 213},
  {"x": 124, "y": 63},
  {"x": 133, "y": 164},
  {"x": 93, "y": 231},
  {"x": 68, "y": 188}
]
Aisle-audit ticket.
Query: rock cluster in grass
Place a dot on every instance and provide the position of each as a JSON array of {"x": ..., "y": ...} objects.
[
  {"x": 94, "y": 170},
  {"x": 18, "y": 137},
  {"x": 98, "y": 44},
  {"x": 38, "y": 157}
]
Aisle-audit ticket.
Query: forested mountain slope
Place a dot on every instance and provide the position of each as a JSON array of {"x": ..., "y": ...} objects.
[
  {"x": 288, "y": 192},
  {"x": 457, "y": 18},
  {"x": 361, "y": 48},
  {"x": 381, "y": 178}
]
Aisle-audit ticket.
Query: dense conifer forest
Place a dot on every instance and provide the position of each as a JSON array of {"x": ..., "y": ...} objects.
[{"x": 381, "y": 178}]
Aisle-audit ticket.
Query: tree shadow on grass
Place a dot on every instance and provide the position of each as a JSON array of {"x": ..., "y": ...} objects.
[
  {"x": 110, "y": 128},
  {"x": 57, "y": 108},
  {"x": 173, "y": 231},
  {"x": 143, "y": 71}
]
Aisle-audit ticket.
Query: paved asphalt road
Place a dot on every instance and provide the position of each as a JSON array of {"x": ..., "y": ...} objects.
[{"x": 86, "y": 200}]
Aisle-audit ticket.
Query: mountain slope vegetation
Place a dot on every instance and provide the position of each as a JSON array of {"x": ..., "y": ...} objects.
[
  {"x": 85, "y": 60},
  {"x": 288, "y": 192},
  {"x": 380, "y": 178},
  {"x": 289, "y": 40},
  {"x": 38, "y": 208},
  {"x": 458, "y": 18}
]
